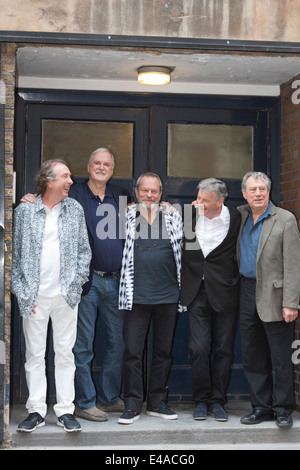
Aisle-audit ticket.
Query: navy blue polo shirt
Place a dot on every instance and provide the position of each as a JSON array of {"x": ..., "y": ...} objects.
[{"x": 108, "y": 247}]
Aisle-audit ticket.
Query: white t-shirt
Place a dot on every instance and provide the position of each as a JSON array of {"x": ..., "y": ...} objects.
[{"x": 50, "y": 257}]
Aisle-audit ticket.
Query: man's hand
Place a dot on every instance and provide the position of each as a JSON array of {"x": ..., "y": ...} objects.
[
  {"x": 34, "y": 309},
  {"x": 29, "y": 198},
  {"x": 198, "y": 206},
  {"x": 167, "y": 206},
  {"x": 290, "y": 314}
]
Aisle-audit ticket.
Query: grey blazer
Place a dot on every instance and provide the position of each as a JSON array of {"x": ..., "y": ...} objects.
[{"x": 278, "y": 263}]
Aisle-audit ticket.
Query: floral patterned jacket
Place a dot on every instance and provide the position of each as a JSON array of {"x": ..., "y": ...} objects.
[{"x": 75, "y": 252}]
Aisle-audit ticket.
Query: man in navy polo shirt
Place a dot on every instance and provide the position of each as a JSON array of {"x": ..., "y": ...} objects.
[{"x": 100, "y": 201}]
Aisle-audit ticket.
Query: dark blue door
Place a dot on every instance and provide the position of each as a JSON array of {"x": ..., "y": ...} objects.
[
  {"x": 196, "y": 138},
  {"x": 157, "y": 126},
  {"x": 72, "y": 133}
]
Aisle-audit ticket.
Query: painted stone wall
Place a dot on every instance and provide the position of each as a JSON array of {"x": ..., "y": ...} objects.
[{"x": 270, "y": 20}]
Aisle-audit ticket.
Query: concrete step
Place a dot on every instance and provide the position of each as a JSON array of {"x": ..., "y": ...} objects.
[{"x": 155, "y": 433}]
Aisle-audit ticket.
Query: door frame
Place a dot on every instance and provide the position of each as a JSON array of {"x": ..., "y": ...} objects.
[
  {"x": 162, "y": 42},
  {"x": 269, "y": 106}
]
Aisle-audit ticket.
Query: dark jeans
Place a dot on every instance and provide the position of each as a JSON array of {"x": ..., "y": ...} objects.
[
  {"x": 212, "y": 337},
  {"x": 266, "y": 344},
  {"x": 136, "y": 326}
]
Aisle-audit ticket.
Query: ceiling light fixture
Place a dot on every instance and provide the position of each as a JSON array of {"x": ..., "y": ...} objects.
[{"x": 154, "y": 75}]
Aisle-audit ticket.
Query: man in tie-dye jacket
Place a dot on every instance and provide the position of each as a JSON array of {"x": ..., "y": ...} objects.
[{"x": 149, "y": 289}]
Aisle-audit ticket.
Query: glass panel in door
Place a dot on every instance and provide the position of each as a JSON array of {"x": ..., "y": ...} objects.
[
  {"x": 74, "y": 141},
  {"x": 204, "y": 150}
]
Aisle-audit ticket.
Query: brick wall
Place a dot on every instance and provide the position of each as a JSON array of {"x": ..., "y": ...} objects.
[
  {"x": 290, "y": 171},
  {"x": 8, "y": 66}
]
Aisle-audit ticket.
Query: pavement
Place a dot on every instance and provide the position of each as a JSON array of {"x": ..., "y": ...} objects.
[{"x": 152, "y": 433}]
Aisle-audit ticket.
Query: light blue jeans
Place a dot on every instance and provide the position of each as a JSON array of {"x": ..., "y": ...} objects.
[{"x": 102, "y": 299}]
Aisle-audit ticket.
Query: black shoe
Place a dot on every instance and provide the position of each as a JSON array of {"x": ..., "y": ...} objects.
[
  {"x": 284, "y": 420},
  {"x": 33, "y": 421},
  {"x": 257, "y": 416},
  {"x": 218, "y": 412},
  {"x": 69, "y": 423},
  {"x": 162, "y": 411},
  {"x": 200, "y": 412},
  {"x": 129, "y": 417}
]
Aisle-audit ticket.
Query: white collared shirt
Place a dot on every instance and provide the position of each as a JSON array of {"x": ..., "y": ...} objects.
[{"x": 211, "y": 232}]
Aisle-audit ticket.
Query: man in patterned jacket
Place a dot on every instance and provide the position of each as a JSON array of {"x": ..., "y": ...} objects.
[
  {"x": 51, "y": 258},
  {"x": 149, "y": 289}
]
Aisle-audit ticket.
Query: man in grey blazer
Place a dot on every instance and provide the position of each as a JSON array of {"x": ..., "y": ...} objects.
[{"x": 268, "y": 249}]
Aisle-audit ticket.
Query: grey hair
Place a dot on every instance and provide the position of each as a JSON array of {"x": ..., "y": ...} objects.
[
  {"x": 102, "y": 149},
  {"x": 210, "y": 185},
  {"x": 150, "y": 175},
  {"x": 46, "y": 172},
  {"x": 257, "y": 175}
]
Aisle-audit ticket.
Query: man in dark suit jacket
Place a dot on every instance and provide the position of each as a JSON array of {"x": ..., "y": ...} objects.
[{"x": 210, "y": 289}]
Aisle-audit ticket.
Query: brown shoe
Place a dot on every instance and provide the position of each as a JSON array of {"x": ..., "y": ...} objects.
[
  {"x": 91, "y": 414},
  {"x": 116, "y": 408}
]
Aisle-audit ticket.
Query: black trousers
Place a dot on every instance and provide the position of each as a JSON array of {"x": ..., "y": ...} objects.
[
  {"x": 266, "y": 347},
  {"x": 135, "y": 330},
  {"x": 212, "y": 337}
]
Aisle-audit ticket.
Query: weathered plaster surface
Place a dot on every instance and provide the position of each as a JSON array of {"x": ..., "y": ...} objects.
[{"x": 268, "y": 20}]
